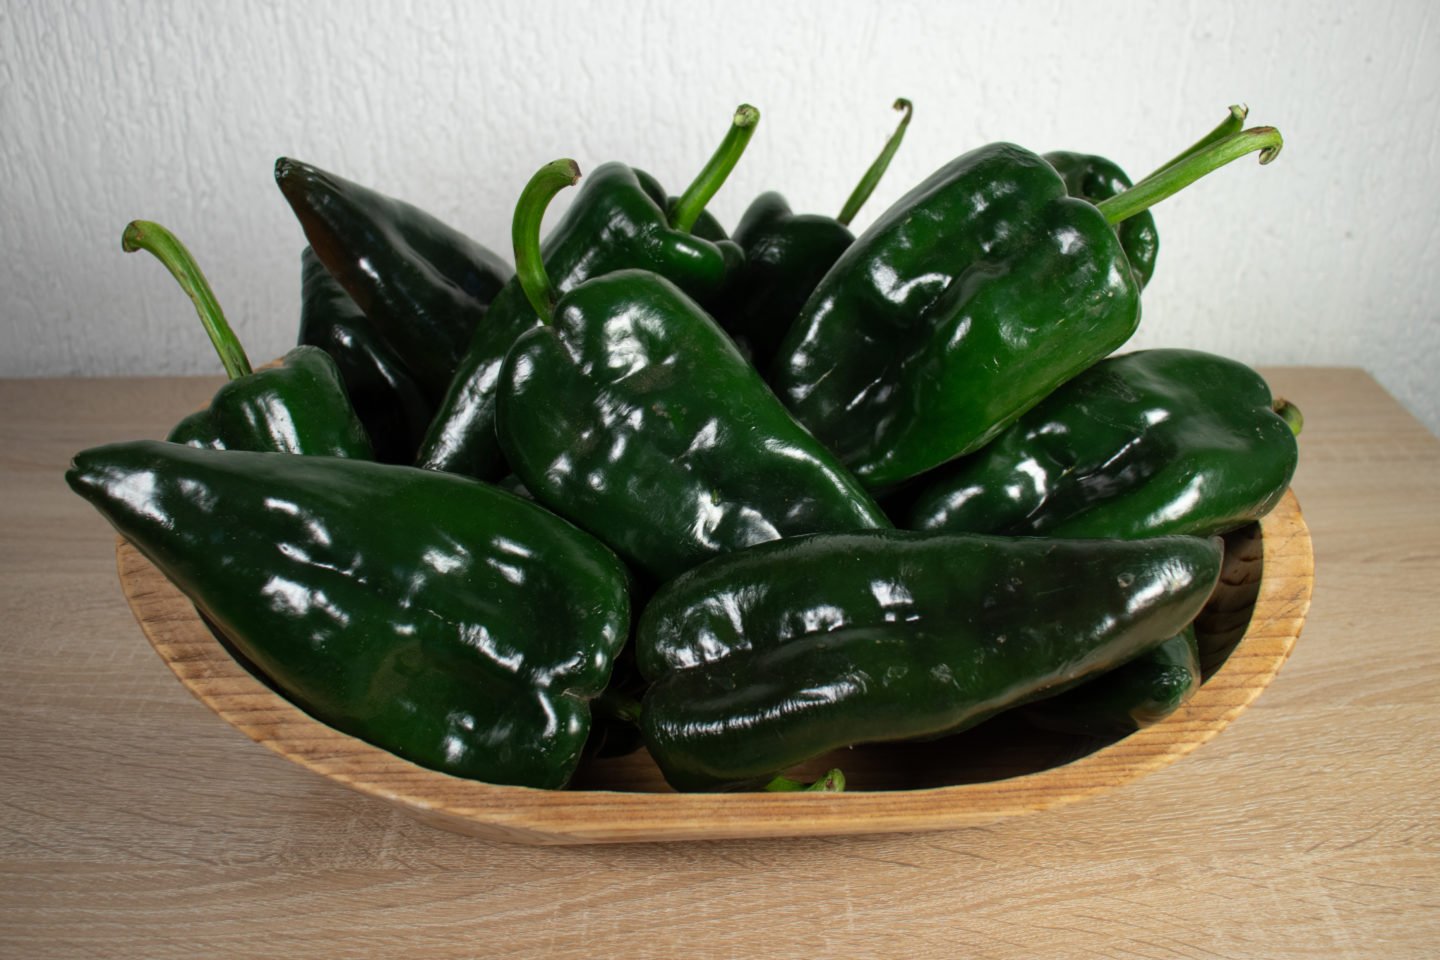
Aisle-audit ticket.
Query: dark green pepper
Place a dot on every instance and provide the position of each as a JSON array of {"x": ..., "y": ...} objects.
[
  {"x": 424, "y": 285},
  {"x": 1096, "y": 178},
  {"x": 632, "y": 414},
  {"x": 299, "y": 406},
  {"x": 387, "y": 398},
  {"x": 767, "y": 657},
  {"x": 965, "y": 304},
  {"x": 1148, "y": 443},
  {"x": 438, "y": 618},
  {"x": 1136, "y": 694},
  {"x": 786, "y": 254},
  {"x": 619, "y": 220}
]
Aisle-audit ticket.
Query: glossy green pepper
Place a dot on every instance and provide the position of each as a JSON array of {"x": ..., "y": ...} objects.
[
  {"x": 299, "y": 406},
  {"x": 972, "y": 298},
  {"x": 1096, "y": 179},
  {"x": 786, "y": 254},
  {"x": 620, "y": 219},
  {"x": 424, "y": 285},
  {"x": 433, "y": 616},
  {"x": 1136, "y": 694},
  {"x": 770, "y": 656},
  {"x": 1147, "y": 443},
  {"x": 387, "y": 398},
  {"x": 631, "y": 413}
]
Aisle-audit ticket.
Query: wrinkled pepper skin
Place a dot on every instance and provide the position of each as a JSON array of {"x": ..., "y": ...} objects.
[
  {"x": 387, "y": 398},
  {"x": 636, "y": 417},
  {"x": 424, "y": 285},
  {"x": 786, "y": 255},
  {"x": 1095, "y": 178},
  {"x": 299, "y": 406},
  {"x": 617, "y": 221},
  {"x": 972, "y": 298},
  {"x": 1147, "y": 443},
  {"x": 456, "y": 626},
  {"x": 1132, "y": 696},
  {"x": 768, "y": 657}
]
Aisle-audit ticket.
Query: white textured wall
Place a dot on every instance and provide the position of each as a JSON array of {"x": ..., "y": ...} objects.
[{"x": 176, "y": 112}]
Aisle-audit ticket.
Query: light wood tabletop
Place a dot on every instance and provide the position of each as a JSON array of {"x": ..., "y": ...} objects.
[{"x": 136, "y": 823}]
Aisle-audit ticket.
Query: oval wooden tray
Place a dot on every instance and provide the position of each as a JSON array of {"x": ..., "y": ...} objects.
[{"x": 997, "y": 770}]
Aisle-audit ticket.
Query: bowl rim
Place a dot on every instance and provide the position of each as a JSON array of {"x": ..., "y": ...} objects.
[{"x": 529, "y": 815}]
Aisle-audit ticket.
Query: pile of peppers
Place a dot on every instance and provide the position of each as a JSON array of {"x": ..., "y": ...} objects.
[{"x": 742, "y": 499}]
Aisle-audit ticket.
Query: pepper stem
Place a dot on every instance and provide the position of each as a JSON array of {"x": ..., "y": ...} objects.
[
  {"x": 867, "y": 183},
  {"x": 832, "y": 782},
  {"x": 1290, "y": 414},
  {"x": 525, "y": 232},
  {"x": 1172, "y": 179},
  {"x": 1233, "y": 123},
  {"x": 145, "y": 235},
  {"x": 692, "y": 202}
]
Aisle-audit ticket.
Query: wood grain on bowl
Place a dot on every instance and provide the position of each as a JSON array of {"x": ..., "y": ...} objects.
[{"x": 978, "y": 777}]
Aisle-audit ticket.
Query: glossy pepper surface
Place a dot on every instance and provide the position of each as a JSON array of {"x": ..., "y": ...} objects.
[
  {"x": 1136, "y": 694},
  {"x": 630, "y": 412},
  {"x": 620, "y": 219},
  {"x": 786, "y": 254},
  {"x": 455, "y": 625},
  {"x": 1147, "y": 443},
  {"x": 971, "y": 299},
  {"x": 299, "y": 406},
  {"x": 387, "y": 398},
  {"x": 771, "y": 656},
  {"x": 635, "y": 416},
  {"x": 424, "y": 285},
  {"x": 979, "y": 292},
  {"x": 1096, "y": 178}
]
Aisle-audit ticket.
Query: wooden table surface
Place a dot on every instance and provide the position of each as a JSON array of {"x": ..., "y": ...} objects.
[{"x": 135, "y": 823}]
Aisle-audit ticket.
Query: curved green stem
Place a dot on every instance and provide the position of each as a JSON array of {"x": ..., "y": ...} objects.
[
  {"x": 1233, "y": 123},
  {"x": 145, "y": 235},
  {"x": 1173, "y": 179},
  {"x": 1290, "y": 414},
  {"x": 692, "y": 202},
  {"x": 525, "y": 232},
  {"x": 867, "y": 183},
  {"x": 832, "y": 782}
]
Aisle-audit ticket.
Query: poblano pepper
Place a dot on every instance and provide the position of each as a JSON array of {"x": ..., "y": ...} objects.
[
  {"x": 776, "y": 654},
  {"x": 620, "y": 219},
  {"x": 387, "y": 398},
  {"x": 1149, "y": 443},
  {"x": 436, "y": 617},
  {"x": 965, "y": 304},
  {"x": 786, "y": 254},
  {"x": 1134, "y": 695},
  {"x": 1144, "y": 444},
  {"x": 1095, "y": 178},
  {"x": 424, "y": 285},
  {"x": 298, "y": 407},
  {"x": 631, "y": 413}
]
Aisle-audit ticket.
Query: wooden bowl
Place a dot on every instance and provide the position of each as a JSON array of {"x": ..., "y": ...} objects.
[{"x": 997, "y": 770}]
